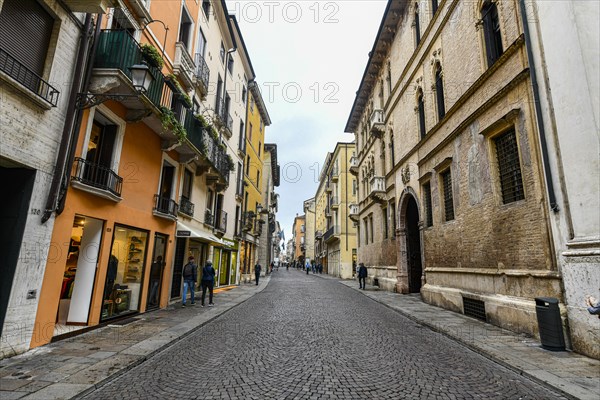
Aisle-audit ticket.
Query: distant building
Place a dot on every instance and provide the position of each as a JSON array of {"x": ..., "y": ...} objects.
[{"x": 309, "y": 234}]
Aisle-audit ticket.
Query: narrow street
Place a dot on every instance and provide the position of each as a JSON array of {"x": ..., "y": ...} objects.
[{"x": 313, "y": 338}]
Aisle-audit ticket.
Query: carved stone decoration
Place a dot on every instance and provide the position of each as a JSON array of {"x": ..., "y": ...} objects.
[{"x": 405, "y": 173}]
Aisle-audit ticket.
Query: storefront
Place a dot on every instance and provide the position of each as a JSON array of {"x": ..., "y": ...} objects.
[{"x": 225, "y": 260}]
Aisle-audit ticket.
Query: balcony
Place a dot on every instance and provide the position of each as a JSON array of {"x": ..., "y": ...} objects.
[
  {"x": 353, "y": 211},
  {"x": 23, "y": 77},
  {"x": 335, "y": 173},
  {"x": 318, "y": 235},
  {"x": 165, "y": 207},
  {"x": 96, "y": 179},
  {"x": 186, "y": 207},
  {"x": 377, "y": 126},
  {"x": 354, "y": 165},
  {"x": 91, "y": 6},
  {"x": 220, "y": 223},
  {"x": 202, "y": 75},
  {"x": 248, "y": 221},
  {"x": 329, "y": 187},
  {"x": 334, "y": 203},
  {"x": 332, "y": 234},
  {"x": 327, "y": 211},
  {"x": 183, "y": 65},
  {"x": 141, "y": 8},
  {"x": 214, "y": 160},
  {"x": 377, "y": 191},
  {"x": 223, "y": 118},
  {"x": 209, "y": 218}
]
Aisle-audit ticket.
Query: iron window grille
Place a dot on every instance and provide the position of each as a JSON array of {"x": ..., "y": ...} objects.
[
  {"x": 421, "y": 109},
  {"x": 509, "y": 168},
  {"x": 448, "y": 199},
  {"x": 427, "y": 201},
  {"x": 491, "y": 32},
  {"x": 474, "y": 308}
]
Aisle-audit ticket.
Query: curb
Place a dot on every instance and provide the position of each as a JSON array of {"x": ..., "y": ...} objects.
[{"x": 108, "y": 379}]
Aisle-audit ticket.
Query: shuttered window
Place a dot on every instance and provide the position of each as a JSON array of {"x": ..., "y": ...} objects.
[{"x": 25, "y": 31}]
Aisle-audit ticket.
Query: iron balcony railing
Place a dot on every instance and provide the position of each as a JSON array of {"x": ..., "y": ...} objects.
[
  {"x": 209, "y": 218},
  {"x": 186, "y": 206},
  {"x": 117, "y": 49},
  {"x": 98, "y": 176},
  {"x": 331, "y": 232},
  {"x": 165, "y": 205},
  {"x": 200, "y": 137},
  {"x": 202, "y": 71},
  {"x": 221, "y": 221},
  {"x": 224, "y": 115},
  {"x": 20, "y": 73}
]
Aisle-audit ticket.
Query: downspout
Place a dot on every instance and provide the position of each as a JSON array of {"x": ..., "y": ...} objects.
[
  {"x": 538, "y": 110},
  {"x": 65, "y": 143}
]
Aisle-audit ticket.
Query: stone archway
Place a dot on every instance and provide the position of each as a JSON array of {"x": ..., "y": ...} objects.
[{"x": 410, "y": 255}]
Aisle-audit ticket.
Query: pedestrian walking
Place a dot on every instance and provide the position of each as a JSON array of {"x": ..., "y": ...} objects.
[
  {"x": 208, "y": 282},
  {"x": 189, "y": 280},
  {"x": 362, "y": 276},
  {"x": 307, "y": 267},
  {"x": 257, "y": 269}
]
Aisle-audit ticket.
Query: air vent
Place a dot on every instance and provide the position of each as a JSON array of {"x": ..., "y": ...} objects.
[{"x": 474, "y": 308}]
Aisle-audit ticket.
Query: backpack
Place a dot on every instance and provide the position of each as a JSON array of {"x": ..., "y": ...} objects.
[{"x": 188, "y": 271}]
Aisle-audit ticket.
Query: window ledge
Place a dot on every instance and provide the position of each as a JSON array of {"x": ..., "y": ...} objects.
[
  {"x": 95, "y": 191},
  {"x": 24, "y": 90},
  {"x": 164, "y": 216}
]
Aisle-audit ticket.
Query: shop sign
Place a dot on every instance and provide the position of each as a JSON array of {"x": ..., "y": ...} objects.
[
  {"x": 184, "y": 233},
  {"x": 229, "y": 243}
]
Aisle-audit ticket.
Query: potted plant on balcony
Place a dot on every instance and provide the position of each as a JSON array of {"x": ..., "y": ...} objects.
[
  {"x": 200, "y": 118},
  {"x": 230, "y": 163},
  {"x": 169, "y": 122},
  {"x": 181, "y": 94},
  {"x": 151, "y": 56}
]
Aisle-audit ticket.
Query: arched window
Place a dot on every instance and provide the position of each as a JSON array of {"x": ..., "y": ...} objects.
[
  {"x": 491, "y": 32},
  {"x": 439, "y": 92},
  {"x": 417, "y": 27},
  {"x": 434, "y": 6},
  {"x": 421, "y": 111}
]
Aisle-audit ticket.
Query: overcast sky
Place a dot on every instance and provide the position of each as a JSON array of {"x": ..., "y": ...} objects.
[{"x": 309, "y": 58}]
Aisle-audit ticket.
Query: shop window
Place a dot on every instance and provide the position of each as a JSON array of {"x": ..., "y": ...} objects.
[
  {"x": 491, "y": 32},
  {"x": 509, "y": 167},
  {"x": 447, "y": 195},
  {"x": 427, "y": 204},
  {"x": 124, "y": 274}
]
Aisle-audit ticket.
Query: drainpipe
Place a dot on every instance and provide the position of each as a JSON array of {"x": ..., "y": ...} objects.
[
  {"x": 538, "y": 110},
  {"x": 66, "y": 144}
]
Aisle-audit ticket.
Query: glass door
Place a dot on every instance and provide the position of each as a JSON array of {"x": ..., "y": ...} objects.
[{"x": 156, "y": 271}]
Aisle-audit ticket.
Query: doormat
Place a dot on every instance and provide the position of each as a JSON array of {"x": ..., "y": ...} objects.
[{"x": 123, "y": 322}]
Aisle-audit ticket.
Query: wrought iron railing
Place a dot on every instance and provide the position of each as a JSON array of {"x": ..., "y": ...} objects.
[
  {"x": 186, "y": 206},
  {"x": 221, "y": 221},
  {"x": 200, "y": 137},
  {"x": 165, "y": 205},
  {"x": 98, "y": 176},
  {"x": 119, "y": 50},
  {"x": 331, "y": 232},
  {"x": 202, "y": 71},
  {"x": 20, "y": 73},
  {"x": 224, "y": 115},
  {"x": 209, "y": 218}
]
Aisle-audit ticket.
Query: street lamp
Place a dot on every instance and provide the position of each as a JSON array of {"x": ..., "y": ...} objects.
[
  {"x": 141, "y": 77},
  {"x": 259, "y": 209}
]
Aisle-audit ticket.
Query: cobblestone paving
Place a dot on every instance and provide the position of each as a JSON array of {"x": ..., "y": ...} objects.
[{"x": 305, "y": 337}]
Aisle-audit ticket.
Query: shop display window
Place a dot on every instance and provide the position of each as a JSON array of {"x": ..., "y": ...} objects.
[{"x": 124, "y": 274}]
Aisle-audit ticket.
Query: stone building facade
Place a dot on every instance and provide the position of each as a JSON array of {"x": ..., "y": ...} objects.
[
  {"x": 447, "y": 142},
  {"x": 309, "y": 234}
]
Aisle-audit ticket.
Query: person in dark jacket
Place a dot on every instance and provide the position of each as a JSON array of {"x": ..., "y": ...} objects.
[
  {"x": 208, "y": 282},
  {"x": 362, "y": 276},
  {"x": 189, "y": 279},
  {"x": 257, "y": 269}
]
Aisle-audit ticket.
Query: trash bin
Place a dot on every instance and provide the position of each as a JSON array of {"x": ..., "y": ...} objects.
[{"x": 549, "y": 323}]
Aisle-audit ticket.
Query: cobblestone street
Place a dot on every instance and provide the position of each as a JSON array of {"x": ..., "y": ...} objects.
[{"x": 308, "y": 337}]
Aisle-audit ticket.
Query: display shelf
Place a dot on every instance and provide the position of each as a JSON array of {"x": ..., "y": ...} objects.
[{"x": 133, "y": 266}]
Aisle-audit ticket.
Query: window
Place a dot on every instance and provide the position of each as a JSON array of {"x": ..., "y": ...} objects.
[
  {"x": 25, "y": 43},
  {"x": 353, "y": 187},
  {"x": 434, "y": 6},
  {"x": 244, "y": 92},
  {"x": 448, "y": 199},
  {"x": 384, "y": 214},
  {"x": 240, "y": 180},
  {"x": 358, "y": 234},
  {"x": 188, "y": 182},
  {"x": 366, "y": 222},
  {"x": 262, "y": 125},
  {"x": 491, "y": 32},
  {"x": 371, "y": 227},
  {"x": 427, "y": 204},
  {"x": 248, "y": 166},
  {"x": 218, "y": 97},
  {"x": 250, "y": 132},
  {"x": 439, "y": 92},
  {"x": 238, "y": 224},
  {"x": 222, "y": 52},
  {"x": 393, "y": 216},
  {"x": 392, "y": 155},
  {"x": 242, "y": 142},
  {"x": 123, "y": 21},
  {"x": 258, "y": 179},
  {"x": 201, "y": 48},
  {"x": 206, "y": 8},
  {"x": 259, "y": 147},
  {"x": 230, "y": 64},
  {"x": 389, "y": 77},
  {"x": 417, "y": 27},
  {"x": 209, "y": 199},
  {"x": 185, "y": 28},
  {"x": 421, "y": 111},
  {"x": 251, "y": 104},
  {"x": 509, "y": 168}
]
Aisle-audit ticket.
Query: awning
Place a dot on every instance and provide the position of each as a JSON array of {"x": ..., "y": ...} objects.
[{"x": 186, "y": 231}]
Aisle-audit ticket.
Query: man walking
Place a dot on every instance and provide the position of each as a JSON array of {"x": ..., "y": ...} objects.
[
  {"x": 257, "y": 269},
  {"x": 189, "y": 279},
  {"x": 208, "y": 282},
  {"x": 362, "y": 276}
]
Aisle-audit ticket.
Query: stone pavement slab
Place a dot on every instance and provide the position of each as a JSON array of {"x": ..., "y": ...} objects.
[
  {"x": 573, "y": 374},
  {"x": 74, "y": 366}
]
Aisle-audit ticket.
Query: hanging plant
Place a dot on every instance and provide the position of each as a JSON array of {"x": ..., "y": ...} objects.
[
  {"x": 230, "y": 163},
  {"x": 169, "y": 122},
  {"x": 200, "y": 118},
  {"x": 152, "y": 56},
  {"x": 214, "y": 133}
]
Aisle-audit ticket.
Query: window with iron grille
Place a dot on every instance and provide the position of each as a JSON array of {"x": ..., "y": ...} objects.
[
  {"x": 448, "y": 199},
  {"x": 427, "y": 203},
  {"x": 439, "y": 91},
  {"x": 491, "y": 32},
  {"x": 509, "y": 168},
  {"x": 421, "y": 110}
]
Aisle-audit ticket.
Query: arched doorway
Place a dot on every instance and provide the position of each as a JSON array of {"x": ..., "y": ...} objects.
[{"x": 413, "y": 246}]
